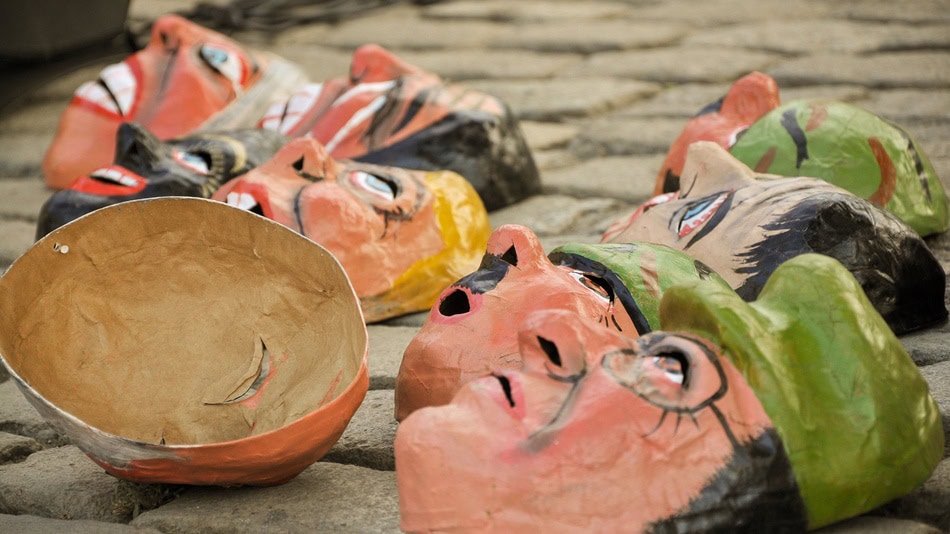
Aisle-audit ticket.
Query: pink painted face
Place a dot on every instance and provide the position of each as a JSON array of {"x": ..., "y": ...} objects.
[
  {"x": 378, "y": 221},
  {"x": 515, "y": 279},
  {"x": 722, "y": 122},
  {"x": 598, "y": 431},
  {"x": 183, "y": 77}
]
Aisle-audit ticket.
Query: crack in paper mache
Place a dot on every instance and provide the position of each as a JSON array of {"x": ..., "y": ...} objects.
[
  {"x": 841, "y": 143},
  {"x": 402, "y": 235},
  {"x": 730, "y": 418},
  {"x": 389, "y": 112},
  {"x": 195, "y": 165},
  {"x": 472, "y": 329},
  {"x": 192, "y": 356},
  {"x": 186, "y": 79},
  {"x": 744, "y": 224}
]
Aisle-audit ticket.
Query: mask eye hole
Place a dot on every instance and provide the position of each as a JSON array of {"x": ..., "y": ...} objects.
[
  {"x": 223, "y": 62},
  {"x": 674, "y": 365},
  {"x": 385, "y": 188},
  {"x": 595, "y": 284},
  {"x": 199, "y": 162},
  {"x": 697, "y": 212}
]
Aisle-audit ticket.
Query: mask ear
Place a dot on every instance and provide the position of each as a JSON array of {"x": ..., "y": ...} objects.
[
  {"x": 751, "y": 97},
  {"x": 709, "y": 168},
  {"x": 373, "y": 63},
  {"x": 516, "y": 245}
]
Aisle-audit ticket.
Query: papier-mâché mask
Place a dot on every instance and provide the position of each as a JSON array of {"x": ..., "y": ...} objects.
[
  {"x": 472, "y": 329},
  {"x": 392, "y": 113},
  {"x": 597, "y": 432},
  {"x": 144, "y": 167},
  {"x": 401, "y": 235},
  {"x": 183, "y": 341},
  {"x": 743, "y": 225},
  {"x": 732, "y": 418},
  {"x": 187, "y": 78}
]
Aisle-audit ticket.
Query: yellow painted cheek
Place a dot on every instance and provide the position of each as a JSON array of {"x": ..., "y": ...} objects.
[{"x": 463, "y": 224}]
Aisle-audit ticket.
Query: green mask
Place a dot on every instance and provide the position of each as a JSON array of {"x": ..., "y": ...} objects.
[
  {"x": 853, "y": 149},
  {"x": 853, "y": 411}
]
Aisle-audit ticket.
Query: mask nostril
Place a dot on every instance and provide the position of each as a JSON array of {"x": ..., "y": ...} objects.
[{"x": 455, "y": 303}]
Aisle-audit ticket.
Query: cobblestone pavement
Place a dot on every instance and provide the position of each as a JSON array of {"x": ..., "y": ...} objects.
[{"x": 602, "y": 88}]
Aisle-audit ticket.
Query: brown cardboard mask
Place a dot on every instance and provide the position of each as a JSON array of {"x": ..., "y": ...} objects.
[{"x": 182, "y": 340}]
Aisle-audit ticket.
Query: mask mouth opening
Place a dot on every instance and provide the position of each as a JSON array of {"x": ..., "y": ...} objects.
[
  {"x": 506, "y": 389},
  {"x": 246, "y": 202}
]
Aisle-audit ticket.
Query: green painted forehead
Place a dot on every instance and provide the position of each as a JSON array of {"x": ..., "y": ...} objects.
[
  {"x": 853, "y": 149},
  {"x": 646, "y": 269},
  {"x": 851, "y": 407}
]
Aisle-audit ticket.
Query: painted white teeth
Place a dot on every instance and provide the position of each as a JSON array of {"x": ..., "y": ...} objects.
[
  {"x": 94, "y": 92},
  {"x": 121, "y": 84},
  {"x": 243, "y": 201},
  {"x": 114, "y": 91},
  {"x": 284, "y": 116},
  {"x": 114, "y": 176}
]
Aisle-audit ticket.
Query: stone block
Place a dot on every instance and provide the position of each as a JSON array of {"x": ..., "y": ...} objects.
[
  {"x": 62, "y": 483},
  {"x": 626, "y": 136},
  {"x": 21, "y": 154},
  {"x": 629, "y": 178},
  {"x": 674, "y": 64},
  {"x": 412, "y": 319},
  {"x": 404, "y": 30},
  {"x": 797, "y": 37},
  {"x": 34, "y": 117},
  {"x": 523, "y": 10},
  {"x": 927, "y": 503},
  {"x": 318, "y": 62},
  {"x": 16, "y": 237},
  {"x": 30, "y": 524},
  {"x": 555, "y": 100},
  {"x": 554, "y": 159},
  {"x": 547, "y": 135},
  {"x": 386, "y": 347},
  {"x": 22, "y": 198},
  {"x": 877, "y": 525},
  {"x": 930, "y": 346},
  {"x": 461, "y": 65},
  {"x": 14, "y": 448},
  {"x": 718, "y": 13},
  {"x": 590, "y": 36},
  {"x": 326, "y": 497},
  {"x": 938, "y": 378},
  {"x": 18, "y": 416},
  {"x": 903, "y": 105},
  {"x": 559, "y": 214},
  {"x": 919, "y": 70},
  {"x": 368, "y": 439},
  {"x": 910, "y": 12}
]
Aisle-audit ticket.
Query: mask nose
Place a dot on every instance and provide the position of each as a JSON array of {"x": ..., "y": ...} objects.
[{"x": 136, "y": 148}]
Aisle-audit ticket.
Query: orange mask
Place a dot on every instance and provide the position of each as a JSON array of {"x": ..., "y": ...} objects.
[
  {"x": 187, "y": 78},
  {"x": 382, "y": 223},
  {"x": 597, "y": 432},
  {"x": 392, "y": 113},
  {"x": 723, "y": 121}
]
